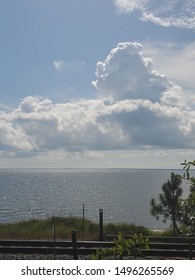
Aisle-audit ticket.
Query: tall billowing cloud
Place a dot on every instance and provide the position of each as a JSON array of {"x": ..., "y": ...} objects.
[
  {"x": 126, "y": 74},
  {"x": 138, "y": 108},
  {"x": 180, "y": 13}
]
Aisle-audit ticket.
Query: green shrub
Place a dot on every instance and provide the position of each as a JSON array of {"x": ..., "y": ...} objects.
[{"x": 123, "y": 247}]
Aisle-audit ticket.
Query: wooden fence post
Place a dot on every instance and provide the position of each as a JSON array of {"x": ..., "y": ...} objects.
[
  {"x": 101, "y": 227},
  {"x": 83, "y": 222},
  {"x": 54, "y": 241},
  {"x": 190, "y": 249},
  {"x": 74, "y": 245}
]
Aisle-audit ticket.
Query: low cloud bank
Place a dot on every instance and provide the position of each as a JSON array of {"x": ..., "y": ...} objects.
[{"x": 137, "y": 108}]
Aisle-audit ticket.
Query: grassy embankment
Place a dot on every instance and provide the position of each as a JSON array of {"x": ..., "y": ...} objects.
[{"x": 42, "y": 229}]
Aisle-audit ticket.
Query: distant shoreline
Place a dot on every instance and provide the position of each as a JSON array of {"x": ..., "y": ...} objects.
[{"x": 90, "y": 168}]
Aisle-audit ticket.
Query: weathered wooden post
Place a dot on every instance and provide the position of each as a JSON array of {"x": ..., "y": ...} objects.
[
  {"x": 54, "y": 241},
  {"x": 74, "y": 245},
  {"x": 101, "y": 226},
  {"x": 83, "y": 222},
  {"x": 190, "y": 248}
]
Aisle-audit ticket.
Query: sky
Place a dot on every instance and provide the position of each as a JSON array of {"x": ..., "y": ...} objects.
[{"x": 97, "y": 83}]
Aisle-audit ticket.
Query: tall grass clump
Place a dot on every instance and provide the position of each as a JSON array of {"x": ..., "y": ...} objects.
[
  {"x": 126, "y": 229},
  {"x": 42, "y": 229}
]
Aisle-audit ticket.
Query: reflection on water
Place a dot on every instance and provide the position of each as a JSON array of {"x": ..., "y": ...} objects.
[{"x": 124, "y": 194}]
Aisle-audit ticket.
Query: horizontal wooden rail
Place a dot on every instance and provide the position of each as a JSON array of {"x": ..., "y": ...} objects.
[
  {"x": 48, "y": 247},
  {"x": 171, "y": 246},
  {"x": 181, "y": 247},
  {"x": 158, "y": 247},
  {"x": 161, "y": 239},
  {"x": 63, "y": 244}
]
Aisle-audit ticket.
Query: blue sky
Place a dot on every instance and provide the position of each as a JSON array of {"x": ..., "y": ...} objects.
[{"x": 97, "y": 83}]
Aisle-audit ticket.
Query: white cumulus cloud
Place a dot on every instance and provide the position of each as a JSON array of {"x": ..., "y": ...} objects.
[
  {"x": 138, "y": 108},
  {"x": 180, "y": 13},
  {"x": 127, "y": 74}
]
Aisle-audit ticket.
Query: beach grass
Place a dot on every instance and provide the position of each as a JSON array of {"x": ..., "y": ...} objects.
[{"x": 42, "y": 229}]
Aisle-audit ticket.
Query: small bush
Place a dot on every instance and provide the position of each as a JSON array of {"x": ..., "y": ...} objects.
[{"x": 123, "y": 247}]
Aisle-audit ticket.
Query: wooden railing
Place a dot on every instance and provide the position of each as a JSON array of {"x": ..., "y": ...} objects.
[
  {"x": 176, "y": 247},
  {"x": 51, "y": 247},
  {"x": 159, "y": 247}
]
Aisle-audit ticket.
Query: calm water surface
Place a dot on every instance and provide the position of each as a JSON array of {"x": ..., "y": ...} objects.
[{"x": 123, "y": 194}]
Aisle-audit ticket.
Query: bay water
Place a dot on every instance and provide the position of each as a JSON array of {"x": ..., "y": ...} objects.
[{"x": 123, "y": 194}]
